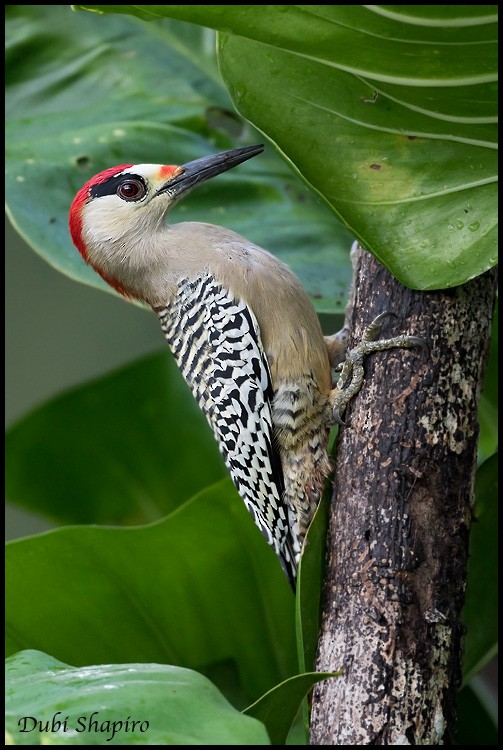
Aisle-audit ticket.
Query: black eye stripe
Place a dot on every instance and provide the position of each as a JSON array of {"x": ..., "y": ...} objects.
[{"x": 110, "y": 186}]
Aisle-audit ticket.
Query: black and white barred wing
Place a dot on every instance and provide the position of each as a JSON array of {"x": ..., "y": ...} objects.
[{"x": 216, "y": 342}]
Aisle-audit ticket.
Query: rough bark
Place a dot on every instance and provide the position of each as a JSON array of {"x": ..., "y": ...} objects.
[{"x": 400, "y": 518}]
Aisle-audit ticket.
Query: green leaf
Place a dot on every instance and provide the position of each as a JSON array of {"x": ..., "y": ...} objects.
[
  {"x": 87, "y": 92},
  {"x": 126, "y": 704},
  {"x": 480, "y": 613},
  {"x": 477, "y": 713},
  {"x": 198, "y": 589},
  {"x": 488, "y": 403},
  {"x": 388, "y": 112},
  {"x": 417, "y": 190},
  {"x": 126, "y": 448},
  {"x": 309, "y": 585},
  {"x": 278, "y": 708},
  {"x": 310, "y": 580}
]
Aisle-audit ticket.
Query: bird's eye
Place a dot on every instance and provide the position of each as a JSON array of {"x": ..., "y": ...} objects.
[{"x": 131, "y": 190}]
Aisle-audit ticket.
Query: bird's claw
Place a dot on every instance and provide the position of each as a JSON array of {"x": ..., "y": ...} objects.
[{"x": 351, "y": 371}]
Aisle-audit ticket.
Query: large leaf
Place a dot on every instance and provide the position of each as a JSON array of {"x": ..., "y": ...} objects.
[
  {"x": 198, "y": 589},
  {"x": 126, "y": 448},
  {"x": 126, "y": 704},
  {"x": 480, "y": 613},
  {"x": 277, "y": 708},
  {"x": 388, "y": 112},
  {"x": 85, "y": 93}
]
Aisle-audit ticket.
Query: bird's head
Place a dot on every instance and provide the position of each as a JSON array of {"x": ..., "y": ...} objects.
[{"x": 117, "y": 209}]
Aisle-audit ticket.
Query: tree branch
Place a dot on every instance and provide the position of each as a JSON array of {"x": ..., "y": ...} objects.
[{"x": 400, "y": 518}]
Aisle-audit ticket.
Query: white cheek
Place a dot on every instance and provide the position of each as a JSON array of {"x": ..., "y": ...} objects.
[
  {"x": 119, "y": 234},
  {"x": 108, "y": 217}
]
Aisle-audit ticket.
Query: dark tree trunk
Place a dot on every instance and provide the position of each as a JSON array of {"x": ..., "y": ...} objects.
[{"x": 400, "y": 518}]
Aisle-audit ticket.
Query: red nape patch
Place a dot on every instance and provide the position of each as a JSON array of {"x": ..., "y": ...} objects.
[
  {"x": 75, "y": 214},
  {"x": 114, "y": 284}
]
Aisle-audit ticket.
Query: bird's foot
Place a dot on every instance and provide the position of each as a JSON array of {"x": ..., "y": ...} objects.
[{"x": 351, "y": 370}]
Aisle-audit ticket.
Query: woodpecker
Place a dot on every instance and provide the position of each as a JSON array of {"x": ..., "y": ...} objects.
[{"x": 242, "y": 329}]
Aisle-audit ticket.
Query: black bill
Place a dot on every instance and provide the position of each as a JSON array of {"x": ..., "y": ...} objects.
[{"x": 202, "y": 169}]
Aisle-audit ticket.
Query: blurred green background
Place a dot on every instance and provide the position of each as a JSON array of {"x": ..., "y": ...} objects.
[{"x": 59, "y": 334}]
